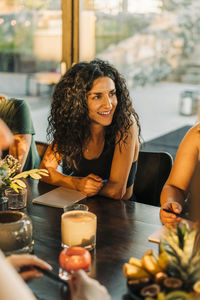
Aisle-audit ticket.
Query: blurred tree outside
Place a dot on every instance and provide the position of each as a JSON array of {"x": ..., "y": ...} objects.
[
  {"x": 159, "y": 46},
  {"x": 18, "y": 23},
  {"x": 111, "y": 29},
  {"x": 179, "y": 41}
]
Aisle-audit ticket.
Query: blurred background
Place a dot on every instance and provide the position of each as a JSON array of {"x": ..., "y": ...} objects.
[{"x": 155, "y": 44}]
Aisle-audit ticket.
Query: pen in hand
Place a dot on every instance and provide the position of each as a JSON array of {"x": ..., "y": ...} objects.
[{"x": 181, "y": 215}]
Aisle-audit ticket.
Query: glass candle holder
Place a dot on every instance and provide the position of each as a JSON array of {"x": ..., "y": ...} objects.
[
  {"x": 16, "y": 200},
  {"x": 16, "y": 232},
  {"x": 73, "y": 259}
]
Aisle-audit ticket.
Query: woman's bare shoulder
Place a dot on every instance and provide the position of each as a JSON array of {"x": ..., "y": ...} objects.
[
  {"x": 191, "y": 141},
  {"x": 193, "y": 133}
]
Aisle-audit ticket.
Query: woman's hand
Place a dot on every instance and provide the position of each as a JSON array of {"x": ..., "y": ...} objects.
[
  {"x": 168, "y": 218},
  {"x": 90, "y": 185},
  {"x": 85, "y": 288},
  {"x": 28, "y": 261}
]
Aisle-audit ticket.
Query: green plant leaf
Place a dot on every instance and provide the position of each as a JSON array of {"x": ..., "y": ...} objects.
[
  {"x": 20, "y": 183},
  {"x": 15, "y": 187},
  {"x": 43, "y": 174},
  {"x": 21, "y": 175},
  {"x": 44, "y": 170},
  {"x": 35, "y": 176}
]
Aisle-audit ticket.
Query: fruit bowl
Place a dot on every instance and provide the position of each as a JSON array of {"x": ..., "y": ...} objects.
[{"x": 173, "y": 274}]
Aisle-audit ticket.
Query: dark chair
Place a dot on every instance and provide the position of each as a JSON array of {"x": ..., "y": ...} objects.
[
  {"x": 41, "y": 148},
  {"x": 152, "y": 173}
]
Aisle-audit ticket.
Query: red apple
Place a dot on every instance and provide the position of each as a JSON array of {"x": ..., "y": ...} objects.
[{"x": 75, "y": 258}]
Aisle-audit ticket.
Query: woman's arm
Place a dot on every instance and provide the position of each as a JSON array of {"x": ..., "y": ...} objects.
[
  {"x": 121, "y": 165},
  {"x": 20, "y": 147},
  {"x": 89, "y": 185},
  {"x": 6, "y": 137},
  {"x": 176, "y": 188}
]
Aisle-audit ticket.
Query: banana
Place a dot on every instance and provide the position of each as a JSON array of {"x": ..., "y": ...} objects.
[
  {"x": 135, "y": 262},
  {"x": 133, "y": 272},
  {"x": 150, "y": 263},
  {"x": 163, "y": 260}
]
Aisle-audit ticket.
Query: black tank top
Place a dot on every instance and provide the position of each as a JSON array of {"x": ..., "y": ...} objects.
[{"x": 100, "y": 166}]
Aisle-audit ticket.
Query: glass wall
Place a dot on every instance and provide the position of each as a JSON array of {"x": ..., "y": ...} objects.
[
  {"x": 30, "y": 54},
  {"x": 30, "y": 47},
  {"x": 155, "y": 45}
]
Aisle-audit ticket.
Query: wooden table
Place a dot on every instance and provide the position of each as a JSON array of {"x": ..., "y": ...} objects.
[{"x": 122, "y": 232}]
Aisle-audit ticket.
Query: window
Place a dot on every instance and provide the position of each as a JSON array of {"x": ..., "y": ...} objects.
[{"x": 155, "y": 45}]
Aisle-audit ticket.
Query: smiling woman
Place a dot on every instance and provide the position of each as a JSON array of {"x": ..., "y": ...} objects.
[{"x": 95, "y": 132}]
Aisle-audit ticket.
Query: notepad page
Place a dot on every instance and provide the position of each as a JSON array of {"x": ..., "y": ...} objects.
[{"x": 59, "y": 197}]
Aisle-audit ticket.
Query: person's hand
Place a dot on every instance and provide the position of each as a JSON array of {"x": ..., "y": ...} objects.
[
  {"x": 168, "y": 218},
  {"x": 90, "y": 185},
  {"x": 85, "y": 288},
  {"x": 28, "y": 261}
]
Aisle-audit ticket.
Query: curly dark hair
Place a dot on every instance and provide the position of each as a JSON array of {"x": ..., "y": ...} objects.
[{"x": 69, "y": 123}]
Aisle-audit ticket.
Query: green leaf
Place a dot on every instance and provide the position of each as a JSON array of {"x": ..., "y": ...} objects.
[
  {"x": 35, "y": 176},
  {"x": 21, "y": 175},
  {"x": 44, "y": 170},
  {"x": 20, "y": 183},
  {"x": 15, "y": 187},
  {"x": 43, "y": 174},
  {"x": 180, "y": 234}
]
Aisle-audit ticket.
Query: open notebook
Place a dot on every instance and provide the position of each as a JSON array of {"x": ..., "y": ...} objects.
[{"x": 59, "y": 197}]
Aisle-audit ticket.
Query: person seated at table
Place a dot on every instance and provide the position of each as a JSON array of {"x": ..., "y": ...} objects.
[
  {"x": 16, "y": 114},
  {"x": 95, "y": 130},
  {"x": 184, "y": 179},
  {"x": 6, "y": 137},
  {"x": 81, "y": 285}
]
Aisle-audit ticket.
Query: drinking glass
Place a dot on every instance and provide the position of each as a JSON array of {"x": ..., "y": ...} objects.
[
  {"x": 76, "y": 207},
  {"x": 78, "y": 228},
  {"x": 16, "y": 200}
]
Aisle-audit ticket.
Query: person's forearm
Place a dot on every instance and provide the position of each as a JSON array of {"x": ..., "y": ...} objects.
[
  {"x": 172, "y": 194},
  {"x": 56, "y": 178},
  {"x": 20, "y": 148},
  {"x": 112, "y": 190}
]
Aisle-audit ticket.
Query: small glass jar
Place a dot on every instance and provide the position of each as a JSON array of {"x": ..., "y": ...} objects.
[
  {"x": 16, "y": 232},
  {"x": 16, "y": 200},
  {"x": 3, "y": 202}
]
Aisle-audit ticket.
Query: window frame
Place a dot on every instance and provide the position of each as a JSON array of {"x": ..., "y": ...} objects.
[{"x": 70, "y": 33}]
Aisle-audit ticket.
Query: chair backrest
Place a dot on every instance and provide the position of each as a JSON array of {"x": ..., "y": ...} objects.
[
  {"x": 152, "y": 173},
  {"x": 41, "y": 148}
]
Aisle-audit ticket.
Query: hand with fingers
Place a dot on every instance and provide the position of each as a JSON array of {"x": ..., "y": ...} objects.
[
  {"x": 24, "y": 264},
  {"x": 91, "y": 185},
  {"x": 168, "y": 218},
  {"x": 85, "y": 288}
]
